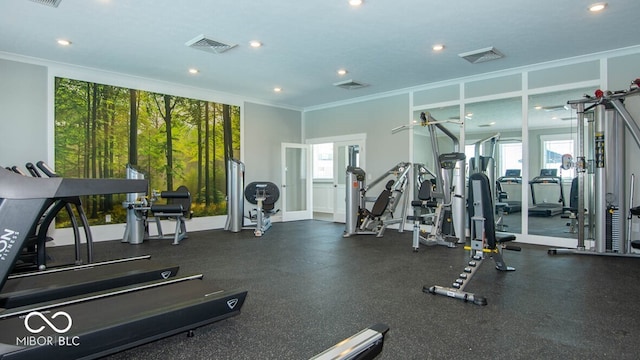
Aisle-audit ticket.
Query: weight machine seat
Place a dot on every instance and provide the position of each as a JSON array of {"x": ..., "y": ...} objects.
[
  {"x": 573, "y": 197},
  {"x": 178, "y": 207},
  {"x": 487, "y": 210},
  {"x": 178, "y": 203},
  {"x": 167, "y": 209}
]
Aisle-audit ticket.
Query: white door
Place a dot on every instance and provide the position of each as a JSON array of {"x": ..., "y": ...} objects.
[
  {"x": 296, "y": 182},
  {"x": 345, "y": 153}
]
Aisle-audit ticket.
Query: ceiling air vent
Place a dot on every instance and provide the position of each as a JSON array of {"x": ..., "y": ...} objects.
[
  {"x": 350, "y": 84},
  {"x": 52, "y": 3},
  {"x": 207, "y": 44},
  {"x": 482, "y": 55}
]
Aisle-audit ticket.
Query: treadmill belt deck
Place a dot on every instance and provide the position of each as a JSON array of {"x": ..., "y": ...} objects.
[
  {"x": 26, "y": 290},
  {"x": 104, "y": 326}
]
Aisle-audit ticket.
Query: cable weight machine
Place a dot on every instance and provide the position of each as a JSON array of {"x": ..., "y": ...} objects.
[
  {"x": 602, "y": 178},
  {"x": 445, "y": 198}
]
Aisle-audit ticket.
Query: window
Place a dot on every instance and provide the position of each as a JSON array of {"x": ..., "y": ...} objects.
[
  {"x": 323, "y": 161},
  {"x": 553, "y": 150},
  {"x": 510, "y": 157}
]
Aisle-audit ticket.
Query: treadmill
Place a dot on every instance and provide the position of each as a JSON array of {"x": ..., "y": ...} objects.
[
  {"x": 99, "y": 323},
  {"x": 24, "y": 289},
  {"x": 511, "y": 178},
  {"x": 548, "y": 177}
]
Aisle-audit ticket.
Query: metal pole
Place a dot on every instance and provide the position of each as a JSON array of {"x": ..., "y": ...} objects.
[
  {"x": 580, "y": 167},
  {"x": 628, "y": 120},
  {"x": 600, "y": 180}
]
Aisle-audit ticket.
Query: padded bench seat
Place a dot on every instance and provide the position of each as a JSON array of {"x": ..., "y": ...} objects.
[{"x": 167, "y": 209}]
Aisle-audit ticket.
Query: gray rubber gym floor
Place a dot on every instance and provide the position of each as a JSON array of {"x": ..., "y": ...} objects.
[{"x": 309, "y": 288}]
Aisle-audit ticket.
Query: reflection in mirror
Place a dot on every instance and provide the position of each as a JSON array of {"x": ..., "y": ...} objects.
[
  {"x": 493, "y": 134},
  {"x": 552, "y": 145},
  {"x": 438, "y": 136},
  {"x": 422, "y": 148}
]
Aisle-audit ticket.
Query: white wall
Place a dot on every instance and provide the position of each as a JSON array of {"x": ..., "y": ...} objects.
[
  {"x": 23, "y": 119},
  {"x": 265, "y": 129},
  {"x": 375, "y": 118}
]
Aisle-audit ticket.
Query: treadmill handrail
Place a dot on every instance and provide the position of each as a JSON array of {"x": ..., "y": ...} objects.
[{"x": 19, "y": 187}]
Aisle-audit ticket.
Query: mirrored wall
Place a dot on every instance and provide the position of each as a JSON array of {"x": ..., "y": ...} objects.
[
  {"x": 552, "y": 138},
  {"x": 422, "y": 147},
  {"x": 532, "y": 190},
  {"x": 493, "y": 131}
]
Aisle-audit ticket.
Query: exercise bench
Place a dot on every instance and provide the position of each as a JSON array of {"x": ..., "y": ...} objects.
[
  {"x": 177, "y": 207},
  {"x": 483, "y": 241}
]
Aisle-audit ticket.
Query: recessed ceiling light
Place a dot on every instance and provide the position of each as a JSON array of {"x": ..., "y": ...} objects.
[
  {"x": 538, "y": 107},
  {"x": 342, "y": 72},
  {"x": 193, "y": 71},
  {"x": 355, "y": 2},
  {"x": 255, "y": 43},
  {"x": 597, "y": 7},
  {"x": 438, "y": 47},
  {"x": 277, "y": 89},
  {"x": 64, "y": 42}
]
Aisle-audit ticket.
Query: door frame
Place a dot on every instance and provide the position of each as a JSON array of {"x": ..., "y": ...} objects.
[
  {"x": 299, "y": 214},
  {"x": 350, "y": 139}
]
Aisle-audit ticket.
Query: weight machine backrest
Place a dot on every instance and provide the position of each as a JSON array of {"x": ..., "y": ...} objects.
[
  {"x": 487, "y": 206},
  {"x": 381, "y": 203},
  {"x": 426, "y": 190}
]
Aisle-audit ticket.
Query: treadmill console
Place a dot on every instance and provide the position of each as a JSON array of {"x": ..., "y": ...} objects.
[{"x": 548, "y": 172}]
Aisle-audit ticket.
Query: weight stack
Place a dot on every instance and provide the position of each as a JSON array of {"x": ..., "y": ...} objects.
[{"x": 614, "y": 234}]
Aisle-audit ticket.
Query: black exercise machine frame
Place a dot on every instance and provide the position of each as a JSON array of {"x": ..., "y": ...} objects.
[
  {"x": 483, "y": 241},
  {"x": 107, "y": 321}
]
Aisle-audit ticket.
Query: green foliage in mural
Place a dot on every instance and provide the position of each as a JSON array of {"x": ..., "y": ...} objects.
[{"x": 174, "y": 141}]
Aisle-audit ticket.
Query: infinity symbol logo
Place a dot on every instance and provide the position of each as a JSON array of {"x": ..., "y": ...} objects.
[{"x": 47, "y": 321}]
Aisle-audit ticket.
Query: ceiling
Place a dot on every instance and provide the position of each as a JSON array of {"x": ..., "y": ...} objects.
[{"x": 385, "y": 44}]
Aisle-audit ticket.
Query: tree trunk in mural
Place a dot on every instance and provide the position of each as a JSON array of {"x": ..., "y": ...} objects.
[
  {"x": 133, "y": 127},
  {"x": 213, "y": 145},
  {"x": 199, "y": 131},
  {"x": 94, "y": 145},
  {"x": 109, "y": 120},
  {"x": 87, "y": 132},
  {"x": 207, "y": 199},
  {"x": 228, "y": 139},
  {"x": 167, "y": 116}
]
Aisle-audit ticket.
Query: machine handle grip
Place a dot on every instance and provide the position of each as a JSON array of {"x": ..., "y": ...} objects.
[{"x": 46, "y": 169}]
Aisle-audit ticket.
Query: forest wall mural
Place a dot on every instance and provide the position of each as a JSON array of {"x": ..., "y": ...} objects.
[{"x": 174, "y": 141}]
